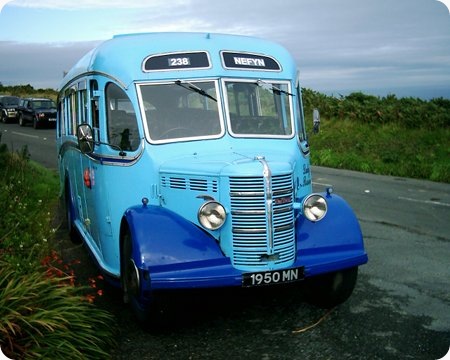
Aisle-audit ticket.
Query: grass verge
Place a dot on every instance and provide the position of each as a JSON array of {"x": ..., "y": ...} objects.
[
  {"x": 43, "y": 313},
  {"x": 387, "y": 149}
]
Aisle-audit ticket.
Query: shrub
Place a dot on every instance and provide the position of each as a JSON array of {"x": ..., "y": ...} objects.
[
  {"x": 388, "y": 149},
  {"x": 409, "y": 112},
  {"x": 45, "y": 317}
]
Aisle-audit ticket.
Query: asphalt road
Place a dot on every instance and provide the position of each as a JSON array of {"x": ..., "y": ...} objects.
[
  {"x": 40, "y": 143},
  {"x": 400, "y": 308}
]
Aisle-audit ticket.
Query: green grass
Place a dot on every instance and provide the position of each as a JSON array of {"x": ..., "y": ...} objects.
[
  {"x": 28, "y": 198},
  {"x": 43, "y": 313},
  {"x": 386, "y": 149},
  {"x": 25, "y": 91},
  {"x": 407, "y": 137}
]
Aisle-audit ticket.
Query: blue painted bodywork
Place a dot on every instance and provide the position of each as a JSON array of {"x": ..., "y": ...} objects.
[
  {"x": 191, "y": 258},
  {"x": 170, "y": 248}
]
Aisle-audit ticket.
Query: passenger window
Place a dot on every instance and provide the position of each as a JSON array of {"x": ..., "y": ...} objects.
[
  {"x": 83, "y": 106},
  {"x": 71, "y": 111},
  {"x": 121, "y": 119},
  {"x": 61, "y": 119},
  {"x": 94, "y": 105}
]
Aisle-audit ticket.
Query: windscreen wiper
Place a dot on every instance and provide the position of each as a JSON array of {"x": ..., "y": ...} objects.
[
  {"x": 194, "y": 88},
  {"x": 273, "y": 88}
]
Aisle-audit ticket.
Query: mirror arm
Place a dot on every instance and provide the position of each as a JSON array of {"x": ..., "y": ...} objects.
[
  {"x": 115, "y": 147},
  {"x": 84, "y": 135}
]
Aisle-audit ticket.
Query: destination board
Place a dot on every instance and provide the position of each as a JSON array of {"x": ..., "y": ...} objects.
[
  {"x": 234, "y": 60},
  {"x": 174, "y": 61}
]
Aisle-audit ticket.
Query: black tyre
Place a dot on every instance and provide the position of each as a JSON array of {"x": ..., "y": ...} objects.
[
  {"x": 329, "y": 290},
  {"x": 130, "y": 280}
]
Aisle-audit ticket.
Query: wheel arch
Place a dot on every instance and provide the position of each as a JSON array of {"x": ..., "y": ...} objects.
[{"x": 333, "y": 243}]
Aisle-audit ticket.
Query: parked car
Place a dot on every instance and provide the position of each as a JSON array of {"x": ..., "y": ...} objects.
[
  {"x": 39, "y": 112},
  {"x": 9, "y": 108}
]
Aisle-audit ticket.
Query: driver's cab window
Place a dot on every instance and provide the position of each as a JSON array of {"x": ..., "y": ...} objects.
[
  {"x": 182, "y": 110},
  {"x": 259, "y": 108},
  {"x": 121, "y": 119}
]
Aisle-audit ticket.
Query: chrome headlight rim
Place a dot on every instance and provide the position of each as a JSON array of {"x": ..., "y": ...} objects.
[
  {"x": 212, "y": 215},
  {"x": 315, "y": 207}
]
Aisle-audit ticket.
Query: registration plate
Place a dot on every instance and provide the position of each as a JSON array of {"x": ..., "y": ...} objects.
[{"x": 272, "y": 277}]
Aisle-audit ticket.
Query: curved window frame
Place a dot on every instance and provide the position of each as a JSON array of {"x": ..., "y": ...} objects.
[
  {"x": 120, "y": 112},
  {"x": 185, "y": 82},
  {"x": 267, "y": 82}
]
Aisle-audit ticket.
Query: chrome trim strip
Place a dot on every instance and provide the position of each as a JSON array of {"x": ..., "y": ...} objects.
[
  {"x": 248, "y": 212},
  {"x": 246, "y": 193},
  {"x": 283, "y": 192},
  {"x": 259, "y": 212},
  {"x": 284, "y": 228},
  {"x": 71, "y": 82},
  {"x": 267, "y": 175},
  {"x": 114, "y": 160},
  {"x": 237, "y": 230}
]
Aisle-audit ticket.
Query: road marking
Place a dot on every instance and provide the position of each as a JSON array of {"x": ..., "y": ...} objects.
[
  {"x": 321, "y": 184},
  {"x": 430, "y": 202},
  {"x": 28, "y": 135}
]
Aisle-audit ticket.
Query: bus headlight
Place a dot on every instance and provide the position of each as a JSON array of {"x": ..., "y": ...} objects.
[
  {"x": 315, "y": 207},
  {"x": 212, "y": 215}
]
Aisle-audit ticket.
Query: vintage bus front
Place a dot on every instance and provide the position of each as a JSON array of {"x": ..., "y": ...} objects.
[{"x": 210, "y": 181}]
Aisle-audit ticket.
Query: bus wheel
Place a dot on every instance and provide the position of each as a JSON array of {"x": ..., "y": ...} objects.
[
  {"x": 130, "y": 280},
  {"x": 329, "y": 290},
  {"x": 69, "y": 211}
]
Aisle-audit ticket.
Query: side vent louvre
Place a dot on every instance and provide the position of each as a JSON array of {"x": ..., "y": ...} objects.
[{"x": 193, "y": 184}]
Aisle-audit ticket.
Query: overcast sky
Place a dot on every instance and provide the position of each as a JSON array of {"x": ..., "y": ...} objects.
[{"x": 379, "y": 47}]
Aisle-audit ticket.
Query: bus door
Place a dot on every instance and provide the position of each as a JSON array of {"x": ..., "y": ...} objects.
[
  {"x": 71, "y": 161},
  {"x": 89, "y": 99},
  {"x": 114, "y": 123}
]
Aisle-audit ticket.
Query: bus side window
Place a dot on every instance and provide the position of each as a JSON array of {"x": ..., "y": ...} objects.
[
  {"x": 70, "y": 112},
  {"x": 121, "y": 119},
  {"x": 61, "y": 119},
  {"x": 94, "y": 105},
  {"x": 73, "y": 110},
  {"x": 83, "y": 106}
]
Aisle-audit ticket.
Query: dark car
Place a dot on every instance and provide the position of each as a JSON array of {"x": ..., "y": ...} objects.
[
  {"x": 39, "y": 112},
  {"x": 9, "y": 108}
]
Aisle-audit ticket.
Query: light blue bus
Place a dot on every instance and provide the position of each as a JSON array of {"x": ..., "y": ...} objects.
[{"x": 184, "y": 163}]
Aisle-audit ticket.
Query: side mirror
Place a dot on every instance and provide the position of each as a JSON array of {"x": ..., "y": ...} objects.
[
  {"x": 85, "y": 139},
  {"x": 316, "y": 121}
]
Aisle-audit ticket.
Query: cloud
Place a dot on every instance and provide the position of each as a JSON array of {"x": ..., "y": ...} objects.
[
  {"x": 41, "y": 65},
  {"x": 349, "y": 45},
  {"x": 94, "y": 4}
]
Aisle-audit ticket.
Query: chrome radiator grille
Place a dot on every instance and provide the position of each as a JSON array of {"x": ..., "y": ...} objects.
[{"x": 253, "y": 245}]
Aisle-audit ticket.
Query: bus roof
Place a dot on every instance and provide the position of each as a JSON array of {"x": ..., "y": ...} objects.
[{"x": 122, "y": 57}]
